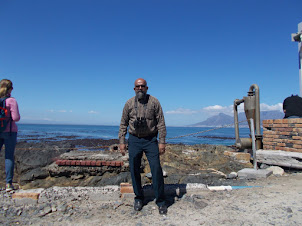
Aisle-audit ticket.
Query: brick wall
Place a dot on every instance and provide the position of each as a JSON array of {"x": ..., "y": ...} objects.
[{"x": 282, "y": 134}]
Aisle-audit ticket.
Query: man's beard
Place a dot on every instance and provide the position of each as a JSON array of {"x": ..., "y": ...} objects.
[{"x": 140, "y": 95}]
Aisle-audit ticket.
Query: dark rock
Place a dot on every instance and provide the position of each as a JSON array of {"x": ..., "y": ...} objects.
[
  {"x": 173, "y": 179},
  {"x": 30, "y": 156},
  {"x": 199, "y": 204},
  {"x": 115, "y": 179},
  {"x": 38, "y": 173},
  {"x": 203, "y": 178}
]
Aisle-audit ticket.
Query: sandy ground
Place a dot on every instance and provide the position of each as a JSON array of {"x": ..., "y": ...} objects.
[{"x": 271, "y": 201}]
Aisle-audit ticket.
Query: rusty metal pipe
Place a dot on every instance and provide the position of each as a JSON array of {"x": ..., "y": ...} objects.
[
  {"x": 236, "y": 103},
  {"x": 257, "y": 115}
]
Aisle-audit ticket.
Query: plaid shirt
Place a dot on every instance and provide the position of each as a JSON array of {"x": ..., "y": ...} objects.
[{"x": 153, "y": 113}]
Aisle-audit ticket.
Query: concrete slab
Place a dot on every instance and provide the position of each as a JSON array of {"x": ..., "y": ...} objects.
[{"x": 249, "y": 173}]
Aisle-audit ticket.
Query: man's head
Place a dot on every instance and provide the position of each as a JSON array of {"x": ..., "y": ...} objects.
[{"x": 140, "y": 88}]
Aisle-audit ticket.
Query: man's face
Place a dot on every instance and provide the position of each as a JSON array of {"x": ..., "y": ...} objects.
[{"x": 140, "y": 88}]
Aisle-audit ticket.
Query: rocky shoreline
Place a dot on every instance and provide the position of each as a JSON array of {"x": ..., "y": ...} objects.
[
  {"x": 92, "y": 194},
  {"x": 36, "y": 164}
]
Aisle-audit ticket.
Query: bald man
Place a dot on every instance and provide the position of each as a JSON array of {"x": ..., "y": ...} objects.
[{"x": 144, "y": 117}]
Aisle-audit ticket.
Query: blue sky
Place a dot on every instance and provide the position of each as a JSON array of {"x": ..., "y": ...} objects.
[{"x": 76, "y": 61}]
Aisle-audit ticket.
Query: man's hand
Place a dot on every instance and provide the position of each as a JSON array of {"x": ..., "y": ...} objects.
[
  {"x": 162, "y": 148},
  {"x": 123, "y": 149}
]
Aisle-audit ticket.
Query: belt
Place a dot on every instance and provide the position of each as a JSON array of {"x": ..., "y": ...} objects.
[{"x": 152, "y": 135}]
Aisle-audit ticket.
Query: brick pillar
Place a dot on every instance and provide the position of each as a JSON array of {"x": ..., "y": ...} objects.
[{"x": 282, "y": 134}]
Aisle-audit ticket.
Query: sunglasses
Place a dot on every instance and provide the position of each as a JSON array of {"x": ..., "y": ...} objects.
[{"x": 143, "y": 86}]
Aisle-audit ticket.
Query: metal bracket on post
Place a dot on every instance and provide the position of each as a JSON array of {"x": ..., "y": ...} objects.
[{"x": 253, "y": 144}]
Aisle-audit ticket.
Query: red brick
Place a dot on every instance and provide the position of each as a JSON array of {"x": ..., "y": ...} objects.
[
  {"x": 295, "y": 141},
  {"x": 269, "y": 143},
  {"x": 30, "y": 195},
  {"x": 285, "y": 129},
  {"x": 68, "y": 162},
  {"x": 268, "y": 147},
  {"x": 73, "y": 162},
  {"x": 93, "y": 163},
  {"x": 267, "y": 139},
  {"x": 279, "y": 121},
  {"x": 104, "y": 163},
  {"x": 98, "y": 163},
  {"x": 295, "y": 120},
  {"x": 290, "y": 149},
  {"x": 78, "y": 162},
  {"x": 297, "y": 129},
  {"x": 126, "y": 188},
  {"x": 297, "y": 146},
  {"x": 281, "y": 144},
  {"x": 285, "y": 133},
  {"x": 118, "y": 163},
  {"x": 107, "y": 163},
  {"x": 280, "y": 148},
  {"x": 268, "y": 121}
]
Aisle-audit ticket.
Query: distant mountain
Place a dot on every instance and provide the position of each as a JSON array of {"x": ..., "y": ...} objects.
[
  {"x": 217, "y": 120},
  {"x": 223, "y": 119}
]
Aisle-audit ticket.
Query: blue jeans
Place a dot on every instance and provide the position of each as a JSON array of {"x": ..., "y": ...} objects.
[
  {"x": 149, "y": 145},
  {"x": 9, "y": 140}
]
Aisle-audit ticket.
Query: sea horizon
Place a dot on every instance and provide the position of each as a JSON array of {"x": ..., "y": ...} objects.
[{"x": 175, "y": 134}]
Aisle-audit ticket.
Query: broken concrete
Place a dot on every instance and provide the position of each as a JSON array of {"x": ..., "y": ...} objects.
[{"x": 248, "y": 173}]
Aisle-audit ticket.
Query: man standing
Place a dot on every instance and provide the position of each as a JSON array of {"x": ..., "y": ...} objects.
[{"x": 144, "y": 116}]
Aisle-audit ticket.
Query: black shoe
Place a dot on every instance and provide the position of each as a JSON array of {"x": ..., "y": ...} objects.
[
  {"x": 138, "y": 205},
  {"x": 163, "y": 209}
]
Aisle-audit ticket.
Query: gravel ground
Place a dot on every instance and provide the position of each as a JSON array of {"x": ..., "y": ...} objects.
[{"x": 271, "y": 201}]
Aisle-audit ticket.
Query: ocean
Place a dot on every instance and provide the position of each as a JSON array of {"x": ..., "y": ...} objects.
[{"x": 175, "y": 135}]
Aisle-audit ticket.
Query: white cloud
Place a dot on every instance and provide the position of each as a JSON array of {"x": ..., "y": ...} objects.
[
  {"x": 59, "y": 111},
  {"x": 214, "y": 107},
  {"x": 47, "y": 119},
  {"x": 92, "y": 112},
  {"x": 265, "y": 107},
  {"x": 181, "y": 111},
  {"x": 228, "y": 110}
]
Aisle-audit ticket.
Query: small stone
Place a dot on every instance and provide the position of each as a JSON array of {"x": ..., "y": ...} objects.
[
  {"x": 123, "y": 212},
  {"x": 289, "y": 210},
  {"x": 19, "y": 212},
  {"x": 53, "y": 209},
  {"x": 277, "y": 171},
  {"x": 45, "y": 211},
  {"x": 62, "y": 208},
  {"x": 232, "y": 175}
]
